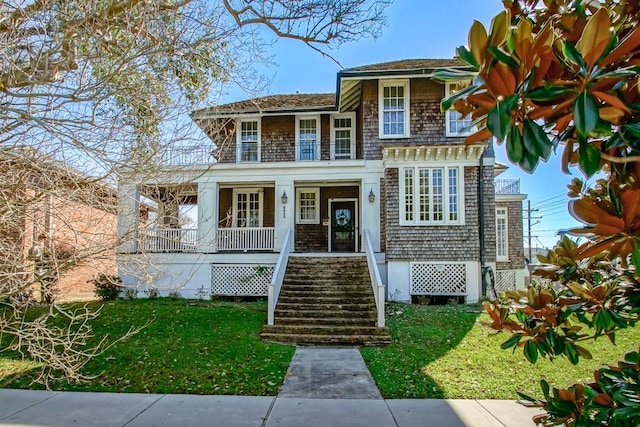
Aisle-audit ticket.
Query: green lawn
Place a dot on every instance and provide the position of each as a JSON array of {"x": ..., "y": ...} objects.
[
  {"x": 188, "y": 347},
  {"x": 441, "y": 352},
  {"x": 204, "y": 347}
]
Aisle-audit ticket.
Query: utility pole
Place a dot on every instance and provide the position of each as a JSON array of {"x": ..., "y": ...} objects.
[{"x": 529, "y": 210}]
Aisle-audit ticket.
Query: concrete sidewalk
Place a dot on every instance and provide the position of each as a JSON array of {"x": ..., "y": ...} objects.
[
  {"x": 44, "y": 408},
  {"x": 323, "y": 387}
]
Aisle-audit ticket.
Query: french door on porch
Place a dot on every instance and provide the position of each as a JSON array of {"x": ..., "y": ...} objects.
[{"x": 343, "y": 226}]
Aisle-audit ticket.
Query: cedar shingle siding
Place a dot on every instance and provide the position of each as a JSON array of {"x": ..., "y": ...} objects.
[
  {"x": 514, "y": 234},
  {"x": 441, "y": 242}
]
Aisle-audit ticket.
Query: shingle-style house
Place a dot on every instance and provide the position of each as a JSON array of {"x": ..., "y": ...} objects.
[{"x": 374, "y": 169}]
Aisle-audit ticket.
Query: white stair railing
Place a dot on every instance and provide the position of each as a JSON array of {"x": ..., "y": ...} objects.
[
  {"x": 376, "y": 281},
  {"x": 273, "y": 291}
]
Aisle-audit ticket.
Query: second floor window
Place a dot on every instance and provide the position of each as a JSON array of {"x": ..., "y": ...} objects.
[
  {"x": 308, "y": 138},
  {"x": 249, "y": 141},
  {"x": 457, "y": 124},
  {"x": 343, "y": 137},
  {"x": 394, "y": 108},
  {"x": 430, "y": 196}
]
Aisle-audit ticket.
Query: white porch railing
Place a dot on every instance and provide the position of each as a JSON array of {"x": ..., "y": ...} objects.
[
  {"x": 246, "y": 239},
  {"x": 167, "y": 239},
  {"x": 273, "y": 291},
  {"x": 376, "y": 281}
]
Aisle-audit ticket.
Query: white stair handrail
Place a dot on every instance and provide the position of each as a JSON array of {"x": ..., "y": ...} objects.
[
  {"x": 273, "y": 291},
  {"x": 376, "y": 281}
]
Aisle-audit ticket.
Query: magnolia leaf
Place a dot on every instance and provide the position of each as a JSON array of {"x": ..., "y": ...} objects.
[
  {"x": 635, "y": 257},
  {"x": 500, "y": 28},
  {"x": 515, "y": 148},
  {"x": 478, "y": 41},
  {"x": 531, "y": 351},
  {"x": 466, "y": 56},
  {"x": 547, "y": 93},
  {"x": 529, "y": 161},
  {"x": 511, "y": 342},
  {"x": 503, "y": 57},
  {"x": 522, "y": 39},
  {"x": 611, "y": 114},
  {"x": 589, "y": 160},
  {"x": 535, "y": 139},
  {"x": 626, "y": 45},
  {"x": 595, "y": 37},
  {"x": 585, "y": 113},
  {"x": 572, "y": 54}
]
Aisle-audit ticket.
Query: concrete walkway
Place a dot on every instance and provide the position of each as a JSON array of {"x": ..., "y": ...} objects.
[{"x": 323, "y": 387}]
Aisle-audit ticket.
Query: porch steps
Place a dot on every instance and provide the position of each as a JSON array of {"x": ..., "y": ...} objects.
[{"x": 326, "y": 301}]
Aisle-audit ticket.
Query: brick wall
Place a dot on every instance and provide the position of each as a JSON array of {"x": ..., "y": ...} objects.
[
  {"x": 514, "y": 234},
  {"x": 440, "y": 243}
]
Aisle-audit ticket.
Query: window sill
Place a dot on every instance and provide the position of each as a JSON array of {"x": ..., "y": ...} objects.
[{"x": 394, "y": 136}]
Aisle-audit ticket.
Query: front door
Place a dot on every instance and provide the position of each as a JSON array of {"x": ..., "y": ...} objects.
[{"x": 343, "y": 226}]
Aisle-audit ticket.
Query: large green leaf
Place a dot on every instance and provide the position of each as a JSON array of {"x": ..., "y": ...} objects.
[
  {"x": 589, "y": 161},
  {"x": 585, "y": 113},
  {"x": 535, "y": 139},
  {"x": 547, "y": 93},
  {"x": 531, "y": 351},
  {"x": 503, "y": 57},
  {"x": 529, "y": 161},
  {"x": 572, "y": 54},
  {"x": 465, "y": 55},
  {"x": 499, "y": 117},
  {"x": 515, "y": 150}
]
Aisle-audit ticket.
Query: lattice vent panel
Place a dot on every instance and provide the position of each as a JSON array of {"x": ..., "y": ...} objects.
[
  {"x": 241, "y": 280},
  {"x": 505, "y": 279},
  {"x": 438, "y": 279}
]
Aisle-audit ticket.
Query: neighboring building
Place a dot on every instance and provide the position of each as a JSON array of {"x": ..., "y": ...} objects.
[
  {"x": 51, "y": 212},
  {"x": 376, "y": 163}
]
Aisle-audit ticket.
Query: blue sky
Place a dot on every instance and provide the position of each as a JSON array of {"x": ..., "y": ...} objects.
[{"x": 421, "y": 29}]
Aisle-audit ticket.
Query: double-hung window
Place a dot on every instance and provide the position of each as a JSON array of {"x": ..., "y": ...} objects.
[
  {"x": 343, "y": 136},
  {"x": 308, "y": 205},
  {"x": 393, "y": 101},
  {"x": 430, "y": 196},
  {"x": 248, "y": 141},
  {"x": 307, "y": 138},
  {"x": 457, "y": 124},
  {"x": 502, "y": 240}
]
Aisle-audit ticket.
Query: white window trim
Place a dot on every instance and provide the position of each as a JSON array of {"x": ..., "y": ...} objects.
[
  {"x": 447, "y": 93},
  {"x": 239, "y": 138},
  {"x": 318, "y": 132},
  {"x": 260, "y": 192},
  {"x": 446, "y": 221},
  {"x": 314, "y": 190},
  {"x": 381, "y": 85},
  {"x": 333, "y": 117},
  {"x": 504, "y": 257}
]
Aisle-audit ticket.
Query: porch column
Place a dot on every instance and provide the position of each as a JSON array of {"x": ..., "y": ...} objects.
[
  {"x": 371, "y": 210},
  {"x": 285, "y": 213},
  {"x": 128, "y": 217},
  {"x": 207, "y": 217}
]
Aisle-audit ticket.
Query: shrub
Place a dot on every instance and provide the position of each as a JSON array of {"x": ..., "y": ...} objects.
[
  {"x": 152, "y": 293},
  {"x": 107, "y": 287},
  {"x": 130, "y": 293}
]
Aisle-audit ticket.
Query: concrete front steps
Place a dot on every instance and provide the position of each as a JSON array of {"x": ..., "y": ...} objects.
[{"x": 326, "y": 301}]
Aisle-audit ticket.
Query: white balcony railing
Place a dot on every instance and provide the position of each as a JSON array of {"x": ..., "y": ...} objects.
[
  {"x": 167, "y": 239},
  {"x": 507, "y": 186},
  {"x": 246, "y": 239},
  {"x": 188, "y": 155}
]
